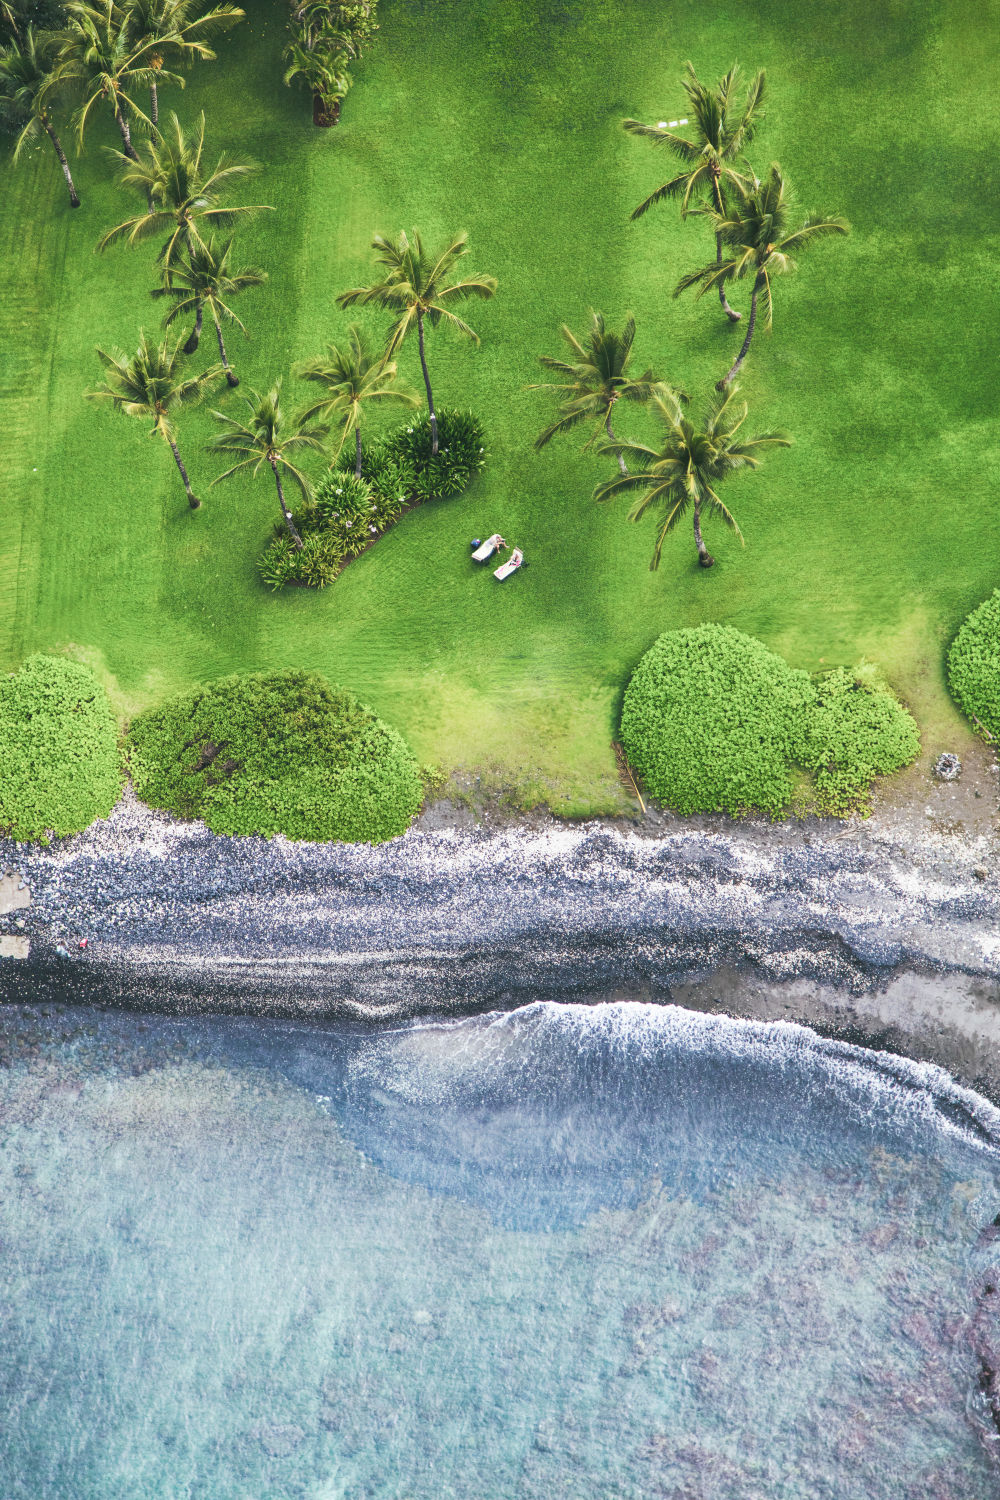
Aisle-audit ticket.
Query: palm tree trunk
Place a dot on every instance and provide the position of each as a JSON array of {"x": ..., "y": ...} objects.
[
  {"x": 193, "y": 500},
  {"x": 195, "y": 334},
  {"x": 284, "y": 508},
  {"x": 357, "y": 450},
  {"x": 607, "y": 429},
  {"x": 705, "y": 558},
  {"x": 427, "y": 383},
  {"x": 126, "y": 133},
  {"x": 730, "y": 312},
  {"x": 154, "y": 104},
  {"x": 232, "y": 378},
  {"x": 57, "y": 144},
  {"x": 720, "y": 385}
]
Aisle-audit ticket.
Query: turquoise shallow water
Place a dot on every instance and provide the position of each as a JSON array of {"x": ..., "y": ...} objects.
[{"x": 570, "y": 1252}]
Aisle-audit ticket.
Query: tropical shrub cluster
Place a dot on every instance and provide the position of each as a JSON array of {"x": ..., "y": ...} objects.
[
  {"x": 326, "y": 37},
  {"x": 60, "y": 766},
  {"x": 281, "y": 752},
  {"x": 715, "y": 722},
  {"x": 313, "y": 565},
  {"x": 974, "y": 667},
  {"x": 445, "y": 471},
  {"x": 346, "y": 512}
]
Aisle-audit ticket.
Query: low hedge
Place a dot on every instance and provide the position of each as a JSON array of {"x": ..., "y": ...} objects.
[
  {"x": 280, "y": 752},
  {"x": 715, "y": 722},
  {"x": 60, "y": 766},
  {"x": 974, "y": 667}
]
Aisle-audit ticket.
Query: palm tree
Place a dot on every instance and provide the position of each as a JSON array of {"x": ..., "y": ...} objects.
[
  {"x": 757, "y": 232},
  {"x": 184, "y": 199},
  {"x": 416, "y": 285},
  {"x": 268, "y": 438},
  {"x": 353, "y": 378},
  {"x": 177, "y": 29},
  {"x": 597, "y": 377},
  {"x": 149, "y": 384},
  {"x": 205, "y": 280},
  {"x": 682, "y": 473},
  {"x": 26, "y": 84},
  {"x": 97, "y": 51},
  {"x": 724, "y": 133}
]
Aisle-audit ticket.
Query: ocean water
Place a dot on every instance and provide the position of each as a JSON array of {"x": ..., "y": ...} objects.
[{"x": 572, "y": 1253}]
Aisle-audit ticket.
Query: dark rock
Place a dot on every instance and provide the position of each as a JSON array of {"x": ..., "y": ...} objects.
[{"x": 948, "y": 767}]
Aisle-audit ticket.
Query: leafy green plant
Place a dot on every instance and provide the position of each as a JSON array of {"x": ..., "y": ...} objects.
[
  {"x": 327, "y": 36},
  {"x": 60, "y": 766},
  {"x": 460, "y": 455},
  {"x": 974, "y": 667},
  {"x": 314, "y": 565},
  {"x": 348, "y": 511},
  {"x": 280, "y": 752},
  {"x": 715, "y": 722}
]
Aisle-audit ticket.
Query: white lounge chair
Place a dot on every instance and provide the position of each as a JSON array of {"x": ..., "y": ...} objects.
[
  {"x": 486, "y": 549},
  {"x": 510, "y": 566}
]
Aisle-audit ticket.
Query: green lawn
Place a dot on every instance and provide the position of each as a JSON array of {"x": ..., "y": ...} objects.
[{"x": 873, "y": 536}]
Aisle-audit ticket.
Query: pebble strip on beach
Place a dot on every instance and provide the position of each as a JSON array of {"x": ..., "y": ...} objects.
[{"x": 177, "y": 917}]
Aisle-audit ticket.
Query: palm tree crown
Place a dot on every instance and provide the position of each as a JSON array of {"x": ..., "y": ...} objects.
[
  {"x": 758, "y": 234},
  {"x": 177, "y": 29},
  {"x": 268, "y": 437},
  {"x": 206, "y": 279},
  {"x": 682, "y": 474},
  {"x": 353, "y": 377},
  {"x": 597, "y": 376},
  {"x": 418, "y": 286},
  {"x": 150, "y": 383},
  {"x": 184, "y": 197},
  {"x": 99, "y": 52},
  {"x": 724, "y": 133}
]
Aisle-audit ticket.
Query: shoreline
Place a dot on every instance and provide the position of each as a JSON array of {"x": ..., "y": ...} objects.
[{"x": 861, "y": 933}]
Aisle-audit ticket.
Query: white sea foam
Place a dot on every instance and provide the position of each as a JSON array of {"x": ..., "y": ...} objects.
[{"x": 426, "y": 1060}]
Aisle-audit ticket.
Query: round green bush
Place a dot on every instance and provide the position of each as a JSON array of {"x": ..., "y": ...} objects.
[
  {"x": 708, "y": 721},
  {"x": 974, "y": 667},
  {"x": 855, "y": 730},
  {"x": 280, "y": 752},
  {"x": 715, "y": 722},
  {"x": 60, "y": 766}
]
